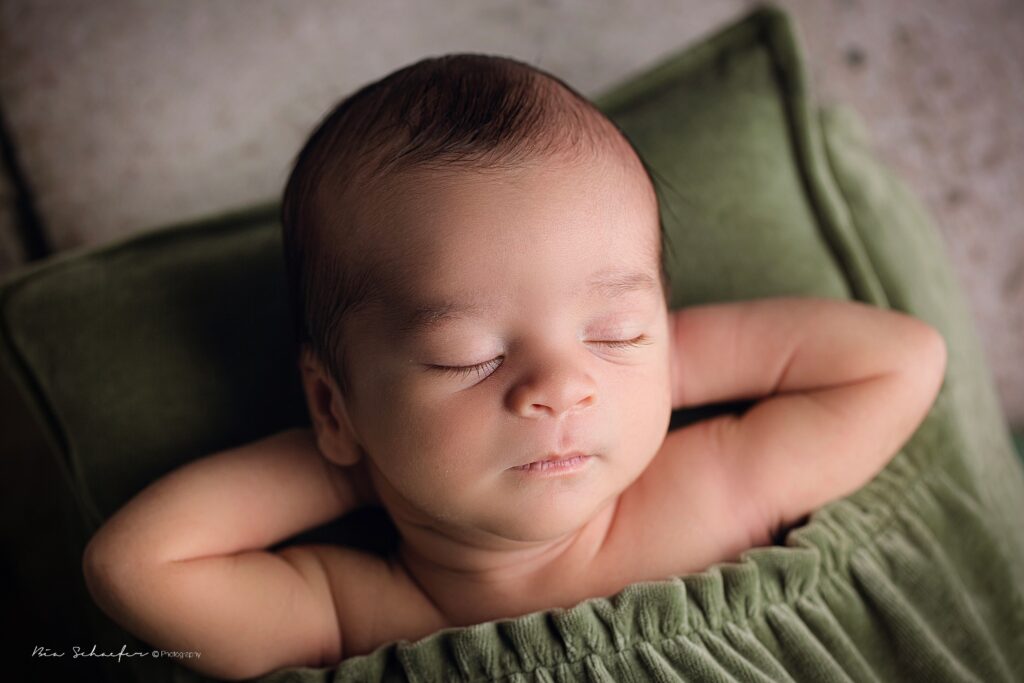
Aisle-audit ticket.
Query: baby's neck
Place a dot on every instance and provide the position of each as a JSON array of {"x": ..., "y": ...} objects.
[{"x": 471, "y": 583}]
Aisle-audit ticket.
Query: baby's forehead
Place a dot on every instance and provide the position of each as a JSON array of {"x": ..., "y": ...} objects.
[
  {"x": 420, "y": 178},
  {"x": 411, "y": 217},
  {"x": 412, "y": 197},
  {"x": 445, "y": 218},
  {"x": 411, "y": 296}
]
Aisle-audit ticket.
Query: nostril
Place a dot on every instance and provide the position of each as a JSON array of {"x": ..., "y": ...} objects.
[{"x": 551, "y": 395}]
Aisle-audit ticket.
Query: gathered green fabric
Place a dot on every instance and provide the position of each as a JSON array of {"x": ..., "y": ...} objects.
[{"x": 144, "y": 354}]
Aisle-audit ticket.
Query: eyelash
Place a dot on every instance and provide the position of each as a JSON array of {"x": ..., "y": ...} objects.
[{"x": 480, "y": 369}]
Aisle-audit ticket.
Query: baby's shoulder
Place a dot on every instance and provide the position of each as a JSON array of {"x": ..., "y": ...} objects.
[
  {"x": 686, "y": 511},
  {"x": 375, "y": 599}
]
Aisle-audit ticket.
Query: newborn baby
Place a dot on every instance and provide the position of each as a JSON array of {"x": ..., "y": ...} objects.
[{"x": 476, "y": 265}]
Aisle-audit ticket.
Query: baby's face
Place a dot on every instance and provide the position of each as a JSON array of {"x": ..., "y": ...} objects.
[{"x": 549, "y": 334}]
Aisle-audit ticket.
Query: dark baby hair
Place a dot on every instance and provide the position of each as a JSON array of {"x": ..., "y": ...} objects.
[{"x": 461, "y": 111}]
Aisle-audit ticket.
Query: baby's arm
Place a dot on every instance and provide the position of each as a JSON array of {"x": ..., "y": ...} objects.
[
  {"x": 846, "y": 385},
  {"x": 181, "y": 565}
]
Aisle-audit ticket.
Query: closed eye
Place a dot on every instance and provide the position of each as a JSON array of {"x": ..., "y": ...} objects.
[
  {"x": 482, "y": 370},
  {"x": 642, "y": 340}
]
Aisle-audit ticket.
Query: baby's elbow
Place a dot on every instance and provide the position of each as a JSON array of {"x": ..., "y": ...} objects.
[
  {"x": 942, "y": 355},
  {"x": 929, "y": 348},
  {"x": 102, "y": 571},
  {"x": 113, "y": 572},
  {"x": 115, "y": 581},
  {"x": 95, "y": 565},
  {"x": 929, "y": 371}
]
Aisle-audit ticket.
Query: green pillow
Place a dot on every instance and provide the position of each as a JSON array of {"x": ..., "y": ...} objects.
[{"x": 144, "y": 354}]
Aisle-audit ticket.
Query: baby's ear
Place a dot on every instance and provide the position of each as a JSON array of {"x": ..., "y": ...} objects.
[{"x": 334, "y": 434}]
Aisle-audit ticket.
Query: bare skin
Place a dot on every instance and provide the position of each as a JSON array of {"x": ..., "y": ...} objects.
[{"x": 550, "y": 364}]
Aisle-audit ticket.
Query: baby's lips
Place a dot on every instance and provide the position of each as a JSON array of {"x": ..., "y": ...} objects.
[{"x": 553, "y": 456}]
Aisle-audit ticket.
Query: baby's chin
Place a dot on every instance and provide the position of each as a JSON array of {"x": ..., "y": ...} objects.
[
  {"x": 546, "y": 518},
  {"x": 521, "y": 514}
]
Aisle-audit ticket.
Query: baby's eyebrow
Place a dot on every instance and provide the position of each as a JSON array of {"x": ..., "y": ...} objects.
[{"x": 418, "y": 318}]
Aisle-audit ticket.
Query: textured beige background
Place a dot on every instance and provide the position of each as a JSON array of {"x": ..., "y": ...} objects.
[{"x": 127, "y": 114}]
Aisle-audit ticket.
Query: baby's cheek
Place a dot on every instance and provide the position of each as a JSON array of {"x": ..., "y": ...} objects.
[
  {"x": 647, "y": 412},
  {"x": 433, "y": 441}
]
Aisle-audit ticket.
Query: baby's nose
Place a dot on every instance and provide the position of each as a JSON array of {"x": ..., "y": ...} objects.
[{"x": 551, "y": 391}]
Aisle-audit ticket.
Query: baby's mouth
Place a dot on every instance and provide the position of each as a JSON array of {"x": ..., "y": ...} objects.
[{"x": 555, "y": 462}]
